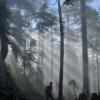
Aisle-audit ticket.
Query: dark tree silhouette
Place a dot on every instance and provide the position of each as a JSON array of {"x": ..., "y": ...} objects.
[
  {"x": 4, "y": 46},
  {"x": 4, "y": 14},
  {"x": 68, "y": 2},
  {"x": 60, "y": 94},
  {"x": 84, "y": 48},
  {"x": 74, "y": 84}
]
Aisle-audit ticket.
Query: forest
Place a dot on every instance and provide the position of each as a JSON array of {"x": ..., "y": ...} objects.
[{"x": 49, "y": 50}]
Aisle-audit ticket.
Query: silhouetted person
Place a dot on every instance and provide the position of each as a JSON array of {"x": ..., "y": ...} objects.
[
  {"x": 94, "y": 96},
  {"x": 48, "y": 91}
]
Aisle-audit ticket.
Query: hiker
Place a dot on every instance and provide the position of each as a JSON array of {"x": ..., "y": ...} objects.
[{"x": 48, "y": 91}]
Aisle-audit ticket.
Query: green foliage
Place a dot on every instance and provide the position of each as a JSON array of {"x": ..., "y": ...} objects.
[
  {"x": 73, "y": 83},
  {"x": 68, "y": 2},
  {"x": 46, "y": 19}
]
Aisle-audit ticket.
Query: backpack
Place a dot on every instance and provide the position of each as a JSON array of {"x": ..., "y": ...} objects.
[{"x": 48, "y": 90}]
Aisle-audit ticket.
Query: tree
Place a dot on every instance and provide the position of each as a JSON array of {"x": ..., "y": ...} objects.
[
  {"x": 74, "y": 85},
  {"x": 4, "y": 15},
  {"x": 52, "y": 52},
  {"x": 45, "y": 20},
  {"x": 60, "y": 94},
  {"x": 68, "y": 2},
  {"x": 84, "y": 44},
  {"x": 84, "y": 48},
  {"x": 21, "y": 21}
]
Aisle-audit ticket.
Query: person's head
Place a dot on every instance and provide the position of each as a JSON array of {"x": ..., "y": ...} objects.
[{"x": 50, "y": 83}]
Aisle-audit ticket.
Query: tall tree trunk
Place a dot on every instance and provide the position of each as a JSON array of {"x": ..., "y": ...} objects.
[
  {"x": 38, "y": 63},
  {"x": 24, "y": 64},
  {"x": 42, "y": 62},
  {"x": 97, "y": 62},
  {"x": 60, "y": 94},
  {"x": 52, "y": 52},
  {"x": 84, "y": 48},
  {"x": 24, "y": 57},
  {"x": 93, "y": 71},
  {"x": 3, "y": 29},
  {"x": 4, "y": 47}
]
